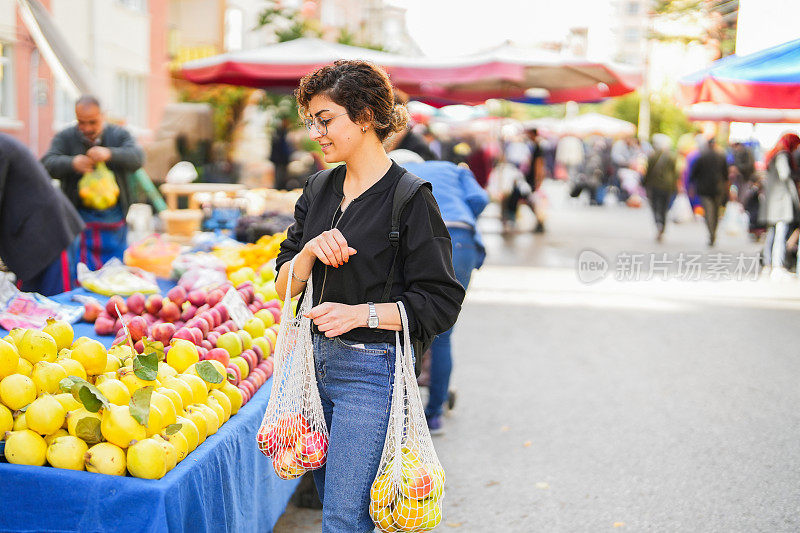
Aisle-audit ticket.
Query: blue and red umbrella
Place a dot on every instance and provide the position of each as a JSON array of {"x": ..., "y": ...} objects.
[{"x": 767, "y": 79}]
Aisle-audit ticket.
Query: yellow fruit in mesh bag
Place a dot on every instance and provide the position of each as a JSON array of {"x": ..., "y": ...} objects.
[
  {"x": 147, "y": 459},
  {"x": 382, "y": 516},
  {"x": 73, "y": 367},
  {"x": 17, "y": 391},
  {"x": 190, "y": 431},
  {"x": 61, "y": 332},
  {"x": 179, "y": 442},
  {"x": 67, "y": 452},
  {"x": 46, "y": 376},
  {"x": 120, "y": 428},
  {"x": 410, "y": 513},
  {"x": 382, "y": 493},
  {"x": 116, "y": 391},
  {"x": 51, "y": 437},
  {"x": 45, "y": 415},
  {"x": 25, "y": 448},
  {"x": 35, "y": 346},
  {"x": 9, "y": 359},
  {"x": 92, "y": 356},
  {"x": 6, "y": 421},
  {"x": 105, "y": 458},
  {"x": 437, "y": 474}
]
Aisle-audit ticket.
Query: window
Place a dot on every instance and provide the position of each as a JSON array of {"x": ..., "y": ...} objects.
[
  {"x": 138, "y": 5},
  {"x": 64, "y": 107},
  {"x": 7, "y": 103},
  {"x": 632, "y": 35},
  {"x": 130, "y": 103},
  {"x": 632, "y": 8}
]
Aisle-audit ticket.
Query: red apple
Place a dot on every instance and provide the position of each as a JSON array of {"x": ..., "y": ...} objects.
[
  {"x": 177, "y": 294},
  {"x": 170, "y": 311},
  {"x": 250, "y": 357},
  {"x": 311, "y": 449},
  {"x": 292, "y": 425},
  {"x": 163, "y": 332},
  {"x": 198, "y": 297},
  {"x": 136, "y": 303},
  {"x": 223, "y": 313},
  {"x": 265, "y": 439},
  {"x": 119, "y": 302},
  {"x": 150, "y": 318},
  {"x": 215, "y": 296},
  {"x": 417, "y": 482},
  {"x": 188, "y": 312},
  {"x": 203, "y": 325},
  {"x": 185, "y": 334},
  {"x": 212, "y": 337},
  {"x": 104, "y": 326},
  {"x": 234, "y": 376},
  {"x": 197, "y": 333},
  {"x": 207, "y": 345},
  {"x": 137, "y": 327},
  {"x": 216, "y": 317},
  {"x": 139, "y": 346},
  {"x": 153, "y": 304},
  {"x": 92, "y": 310},
  {"x": 220, "y": 355},
  {"x": 202, "y": 352}
]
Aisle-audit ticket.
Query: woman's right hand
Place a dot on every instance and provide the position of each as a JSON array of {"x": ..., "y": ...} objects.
[{"x": 330, "y": 247}]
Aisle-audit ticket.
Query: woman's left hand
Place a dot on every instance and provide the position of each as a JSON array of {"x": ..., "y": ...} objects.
[{"x": 334, "y": 319}]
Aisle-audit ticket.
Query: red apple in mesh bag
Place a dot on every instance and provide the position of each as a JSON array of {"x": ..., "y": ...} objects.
[
  {"x": 286, "y": 465},
  {"x": 311, "y": 449},
  {"x": 153, "y": 304},
  {"x": 292, "y": 425}
]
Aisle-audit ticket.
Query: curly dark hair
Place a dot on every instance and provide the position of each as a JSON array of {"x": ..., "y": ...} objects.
[{"x": 362, "y": 88}]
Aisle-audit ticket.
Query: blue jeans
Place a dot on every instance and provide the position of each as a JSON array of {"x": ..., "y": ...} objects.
[
  {"x": 355, "y": 385},
  {"x": 466, "y": 257}
]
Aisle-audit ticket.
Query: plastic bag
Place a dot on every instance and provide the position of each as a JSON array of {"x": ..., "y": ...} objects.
[
  {"x": 31, "y": 310},
  {"x": 408, "y": 489},
  {"x": 681, "y": 210},
  {"x": 153, "y": 254},
  {"x": 116, "y": 278},
  {"x": 293, "y": 432},
  {"x": 98, "y": 189},
  {"x": 735, "y": 221}
]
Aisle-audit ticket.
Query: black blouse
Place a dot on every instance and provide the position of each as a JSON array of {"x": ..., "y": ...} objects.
[{"x": 424, "y": 279}]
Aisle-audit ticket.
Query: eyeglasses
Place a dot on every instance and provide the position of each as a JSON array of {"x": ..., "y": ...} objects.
[{"x": 320, "y": 124}]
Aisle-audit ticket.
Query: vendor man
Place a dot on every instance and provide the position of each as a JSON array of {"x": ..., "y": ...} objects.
[{"x": 79, "y": 149}]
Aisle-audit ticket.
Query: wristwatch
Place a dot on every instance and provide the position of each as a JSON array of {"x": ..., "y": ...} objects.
[{"x": 372, "y": 321}]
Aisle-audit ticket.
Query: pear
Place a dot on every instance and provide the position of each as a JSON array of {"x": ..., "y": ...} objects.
[
  {"x": 67, "y": 452},
  {"x": 191, "y": 432},
  {"x": 35, "y": 346},
  {"x": 9, "y": 359},
  {"x": 147, "y": 459},
  {"x": 105, "y": 458}
]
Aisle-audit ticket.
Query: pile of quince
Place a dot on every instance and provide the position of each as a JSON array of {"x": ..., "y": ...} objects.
[
  {"x": 251, "y": 255},
  {"x": 73, "y": 404}
]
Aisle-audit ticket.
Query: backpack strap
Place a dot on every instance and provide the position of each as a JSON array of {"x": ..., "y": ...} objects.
[
  {"x": 316, "y": 183},
  {"x": 406, "y": 188}
]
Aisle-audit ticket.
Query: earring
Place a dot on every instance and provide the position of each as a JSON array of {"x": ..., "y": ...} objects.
[{"x": 364, "y": 129}]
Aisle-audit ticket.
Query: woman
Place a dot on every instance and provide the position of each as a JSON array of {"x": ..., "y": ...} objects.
[
  {"x": 781, "y": 200},
  {"x": 660, "y": 180},
  {"x": 341, "y": 237}
]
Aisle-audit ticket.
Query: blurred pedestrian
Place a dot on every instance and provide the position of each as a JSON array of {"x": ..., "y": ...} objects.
[
  {"x": 76, "y": 151},
  {"x": 781, "y": 200},
  {"x": 660, "y": 180},
  {"x": 535, "y": 176},
  {"x": 39, "y": 227},
  {"x": 709, "y": 175},
  {"x": 506, "y": 186},
  {"x": 461, "y": 200},
  {"x": 407, "y": 139},
  {"x": 281, "y": 153},
  {"x": 341, "y": 233}
]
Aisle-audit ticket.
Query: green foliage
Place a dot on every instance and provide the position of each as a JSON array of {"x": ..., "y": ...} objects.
[
  {"x": 227, "y": 101},
  {"x": 287, "y": 24},
  {"x": 665, "y": 116}
]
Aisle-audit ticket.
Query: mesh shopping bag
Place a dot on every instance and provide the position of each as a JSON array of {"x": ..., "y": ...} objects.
[
  {"x": 408, "y": 489},
  {"x": 98, "y": 189},
  {"x": 293, "y": 432}
]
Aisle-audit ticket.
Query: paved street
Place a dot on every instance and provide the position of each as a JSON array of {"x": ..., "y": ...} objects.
[{"x": 620, "y": 405}]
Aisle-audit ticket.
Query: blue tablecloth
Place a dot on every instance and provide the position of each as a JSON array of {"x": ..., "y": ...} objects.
[{"x": 226, "y": 484}]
